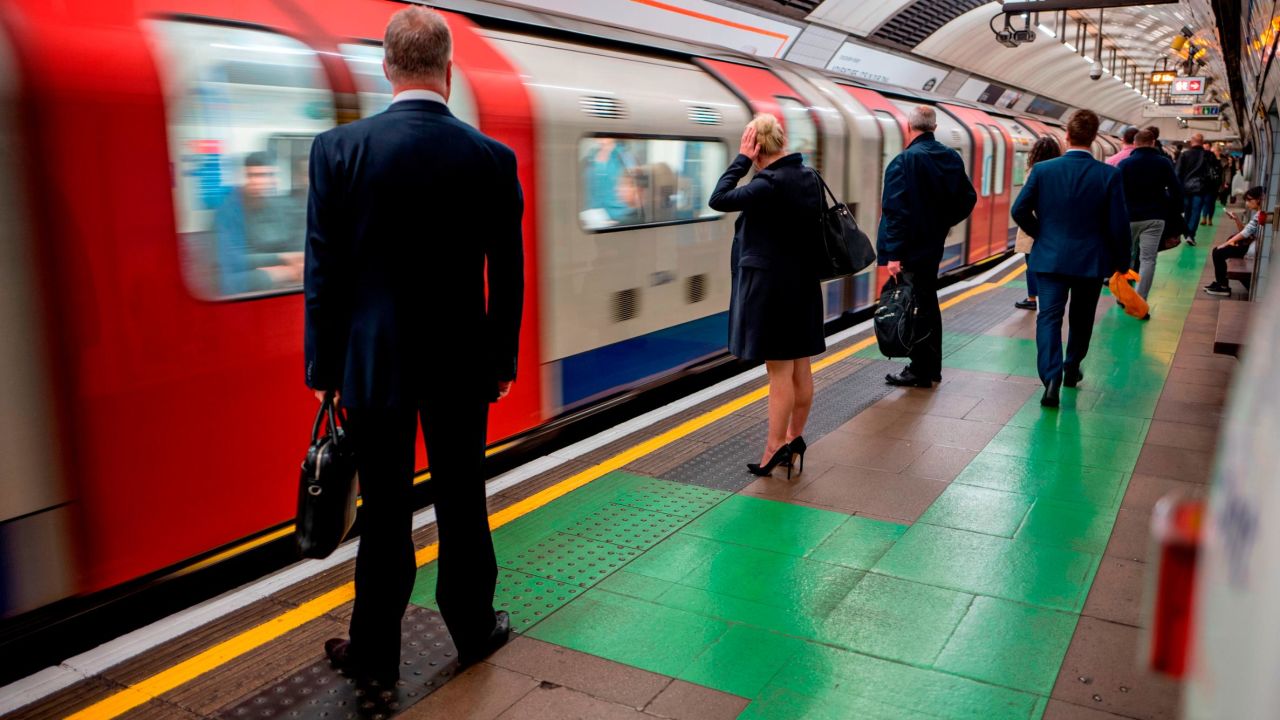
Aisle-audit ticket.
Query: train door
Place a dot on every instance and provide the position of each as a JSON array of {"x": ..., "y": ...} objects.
[
  {"x": 892, "y": 124},
  {"x": 1021, "y": 140},
  {"x": 990, "y": 222},
  {"x": 1002, "y": 232},
  {"x": 766, "y": 92},
  {"x": 488, "y": 94}
]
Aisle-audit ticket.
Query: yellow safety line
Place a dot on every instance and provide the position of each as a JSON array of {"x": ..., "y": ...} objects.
[{"x": 140, "y": 693}]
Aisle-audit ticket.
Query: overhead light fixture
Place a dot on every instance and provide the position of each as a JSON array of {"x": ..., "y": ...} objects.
[{"x": 1046, "y": 30}]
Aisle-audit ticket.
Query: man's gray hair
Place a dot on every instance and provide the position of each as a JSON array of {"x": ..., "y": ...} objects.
[
  {"x": 418, "y": 45},
  {"x": 923, "y": 119}
]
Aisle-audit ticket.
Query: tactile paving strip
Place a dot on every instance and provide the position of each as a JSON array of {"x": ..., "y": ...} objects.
[
  {"x": 569, "y": 559},
  {"x": 723, "y": 466},
  {"x": 528, "y": 599},
  {"x": 317, "y": 691},
  {"x": 686, "y": 501},
  {"x": 979, "y": 314},
  {"x": 627, "y": 526}
]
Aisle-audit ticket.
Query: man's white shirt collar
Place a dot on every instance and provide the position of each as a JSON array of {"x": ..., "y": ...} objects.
[{"x": 419, "y": 95}]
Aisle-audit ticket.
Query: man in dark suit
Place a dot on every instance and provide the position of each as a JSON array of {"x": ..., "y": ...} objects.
[
  {"x": 926, "y": 192},
  {"x": 409, "y": 209},
  {"x": 1074, "y": 207}
]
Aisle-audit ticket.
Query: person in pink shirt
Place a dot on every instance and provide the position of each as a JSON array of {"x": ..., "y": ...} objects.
[{"x": 1128, "y": 136}]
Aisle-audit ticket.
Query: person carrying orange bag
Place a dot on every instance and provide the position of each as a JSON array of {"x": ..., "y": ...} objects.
[{"x": 1128, "y": 298}]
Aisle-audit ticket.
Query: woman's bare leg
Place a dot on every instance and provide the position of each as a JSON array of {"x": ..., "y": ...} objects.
[
  {"x": 802, "y": 389},
  {"x": 781, "y": 401}
]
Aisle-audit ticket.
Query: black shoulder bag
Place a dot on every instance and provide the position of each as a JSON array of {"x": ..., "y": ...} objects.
[
  {"x": 845, "y": 249},
  {"x": 327, "y": 487}
]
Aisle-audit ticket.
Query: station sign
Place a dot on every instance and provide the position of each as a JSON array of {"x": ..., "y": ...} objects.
[
  {"x": 1187, "y": 86},
  {"x": 1206, "y": 110},
  {"x": 1163, "y": 77}
]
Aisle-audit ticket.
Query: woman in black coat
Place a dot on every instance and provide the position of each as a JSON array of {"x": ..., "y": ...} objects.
[{"x": 775, "y": 312}]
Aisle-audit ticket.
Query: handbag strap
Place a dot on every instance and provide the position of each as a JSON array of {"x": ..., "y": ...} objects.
[
  {"x": 834, "y": 200},
  {"x": 327, "y": 409}
]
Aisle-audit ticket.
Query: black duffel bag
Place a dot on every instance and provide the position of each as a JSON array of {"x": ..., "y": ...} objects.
[
  {"x": 844, "y": 249},
  {"x": 327, "y": 486},
  {"x": 895, "y": 318}
]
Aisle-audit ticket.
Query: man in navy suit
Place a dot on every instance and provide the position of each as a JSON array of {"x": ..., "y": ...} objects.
[
  {"x": 1074, "y": 207},
  {"x": 410, "y": 212},
  {"x": 926, "y": 192}
]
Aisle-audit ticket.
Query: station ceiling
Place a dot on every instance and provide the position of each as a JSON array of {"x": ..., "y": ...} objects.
[{"x": 956, "y": 33}]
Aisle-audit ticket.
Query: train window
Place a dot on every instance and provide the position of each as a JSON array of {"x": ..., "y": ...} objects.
[
  {"x": 629, "y": 181},
  {"x": 242, "y": 106},
  {"x": 1020, "y": 167},
  {"x": 892, "y": 145},
  {"x": 802, "y": 131},
  {"x": 374, "y": 90},
  {"x": 988, "y": 159},
  {"x": 997, "y": 138}
]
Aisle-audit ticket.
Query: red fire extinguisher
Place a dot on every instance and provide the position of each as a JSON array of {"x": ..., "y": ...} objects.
[{"x": 1175, "y": 527}]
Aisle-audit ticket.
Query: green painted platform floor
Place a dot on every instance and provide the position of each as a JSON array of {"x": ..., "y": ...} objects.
[{"x": 811, "y": 613}]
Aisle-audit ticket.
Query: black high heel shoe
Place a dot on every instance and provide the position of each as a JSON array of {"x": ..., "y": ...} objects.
[
  {"x": 798, "y": 447},
  {"x": 782, "y": 456}
]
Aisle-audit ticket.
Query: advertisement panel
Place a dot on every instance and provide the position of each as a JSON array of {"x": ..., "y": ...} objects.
[{"x": 869, "y": 64}]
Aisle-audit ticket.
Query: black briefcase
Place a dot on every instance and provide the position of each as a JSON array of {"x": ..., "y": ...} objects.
[
  {"x": 844, "y": 250},
  {"x": 327, "y": 486},
  {"x": 895, "y": 318}
]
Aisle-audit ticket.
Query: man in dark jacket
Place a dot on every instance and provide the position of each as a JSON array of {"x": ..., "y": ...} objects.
[
  {"x": 1074, "y": 207},
  {"x": 926, "y": 192},
  {"x": 411, "y": 211},
  {"x": 1193, "y": 171},
  {"x": 1150, "y": 187}
]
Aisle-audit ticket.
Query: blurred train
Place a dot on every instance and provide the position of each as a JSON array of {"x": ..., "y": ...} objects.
[{"x": 152, "y": 184}]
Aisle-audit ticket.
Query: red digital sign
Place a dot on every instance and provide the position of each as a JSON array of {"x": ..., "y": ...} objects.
[{"x": 1187, "y": 86}]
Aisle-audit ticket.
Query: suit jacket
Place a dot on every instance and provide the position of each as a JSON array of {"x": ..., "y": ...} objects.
[
  {"x": 773, "y": 203},
  {"x": 926, "y": 192},
  {"x": 1074, "y": 207},
  {"x": 410, "y": 212},
  {"x": 1150, "y": 187}
]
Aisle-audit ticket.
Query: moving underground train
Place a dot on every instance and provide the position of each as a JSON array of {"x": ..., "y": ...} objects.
[{"x": 153, "y": 184}]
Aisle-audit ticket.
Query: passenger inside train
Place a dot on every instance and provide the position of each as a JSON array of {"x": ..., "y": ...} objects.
[{"x": 713, "y": 488}]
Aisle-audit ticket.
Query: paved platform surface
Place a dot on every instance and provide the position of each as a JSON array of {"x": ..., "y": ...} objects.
[{"x": 952, "y": 553}]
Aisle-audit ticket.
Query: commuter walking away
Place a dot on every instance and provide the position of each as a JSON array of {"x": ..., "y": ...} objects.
[
  {"x": 1150, "y": 187},
  {"x": 1237, "y": 246},
  {"x": 775, "y": 312},
  {"x": 1046, "y": 148},
  {"x": 1214, "y": 186},
  {"x": 1074, "y": 207},
  {"x": 1193, "y": 168},
  {"x": 412, "y": 215},
  {"x": 1127, "y": 137},
  {"x": 926, "y": 192}
]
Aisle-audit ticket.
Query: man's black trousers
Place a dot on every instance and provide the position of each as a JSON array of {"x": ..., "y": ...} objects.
[
  {"x": 926, "y": 356},
  {"x": 454, "y": 432}
]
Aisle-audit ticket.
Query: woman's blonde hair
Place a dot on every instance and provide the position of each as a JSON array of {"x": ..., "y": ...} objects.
[{"x": 769, "y": 133}]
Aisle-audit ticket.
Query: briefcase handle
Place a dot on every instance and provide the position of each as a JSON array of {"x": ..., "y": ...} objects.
[{"x": 328, "y": 408}]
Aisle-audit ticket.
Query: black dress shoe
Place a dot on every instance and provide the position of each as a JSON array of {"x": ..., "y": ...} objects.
[
  {"x": 1027, "y": 304},
  {"x": 906, "y": 378},
  {"x": 1072, "y": 375},
  {"x": 497, "y": 638},
  {"x": 339, "y": 653},
  {"x": 1051, "y": 392}
]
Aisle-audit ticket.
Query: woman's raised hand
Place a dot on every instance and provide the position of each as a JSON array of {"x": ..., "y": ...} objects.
[{"x": 749, "y": 146}]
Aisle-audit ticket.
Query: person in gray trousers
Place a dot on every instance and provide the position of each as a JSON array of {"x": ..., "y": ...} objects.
[{"x": 1150, "y": 189}]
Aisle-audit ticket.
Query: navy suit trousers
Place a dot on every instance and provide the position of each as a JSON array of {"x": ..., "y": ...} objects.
[
  {"x": 454, "y": 433},
  {"x": 1055, "y": 292}
]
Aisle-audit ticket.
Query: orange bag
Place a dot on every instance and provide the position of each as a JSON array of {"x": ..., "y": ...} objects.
[{"x": 1127, "y": 297}]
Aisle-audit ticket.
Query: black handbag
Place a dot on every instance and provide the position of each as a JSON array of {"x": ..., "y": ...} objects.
[
  {"x": 327, "y": 487},
  {"x": 844, "y": 249},
  {"x": 895, "y": 318}
]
